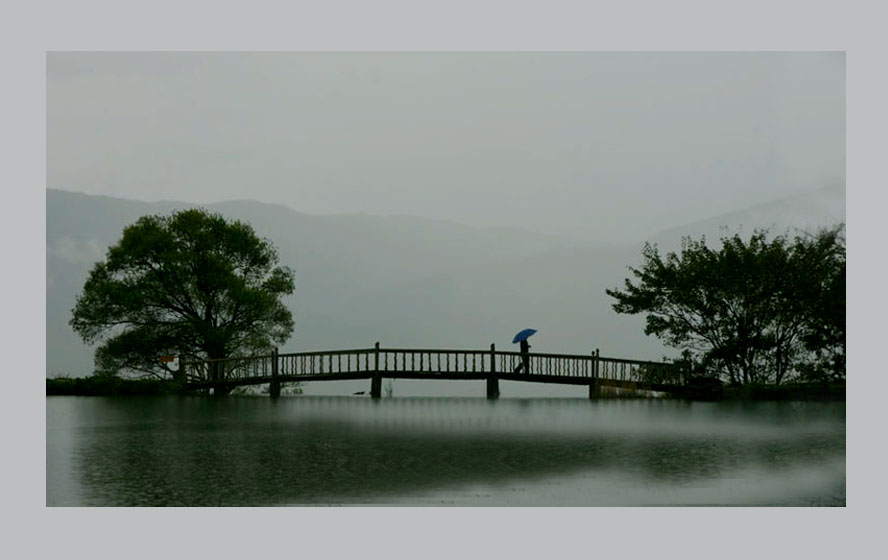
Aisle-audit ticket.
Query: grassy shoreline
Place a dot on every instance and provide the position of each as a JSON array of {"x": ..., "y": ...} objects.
[
  {"x": 832, "y": 391},
  {"x": 114, "y": 386},
  {"x": 98, "y": 386}
]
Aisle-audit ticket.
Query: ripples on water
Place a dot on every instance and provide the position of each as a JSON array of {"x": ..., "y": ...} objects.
[{"x": 434, "y": 451}]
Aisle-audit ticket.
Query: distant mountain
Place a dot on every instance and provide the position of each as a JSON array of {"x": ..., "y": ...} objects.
[
  {"x": 808, "y": 211},
  {"x": 408, "y": 281},
  {"x": 560, "y": 291},
  {"x": 335, "y": 258}
]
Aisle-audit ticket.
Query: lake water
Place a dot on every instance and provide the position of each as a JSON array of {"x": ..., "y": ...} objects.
[{"x": 310, "y": 450}]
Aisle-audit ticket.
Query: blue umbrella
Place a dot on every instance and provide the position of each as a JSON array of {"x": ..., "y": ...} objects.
[{"x": 523, "y": 335}]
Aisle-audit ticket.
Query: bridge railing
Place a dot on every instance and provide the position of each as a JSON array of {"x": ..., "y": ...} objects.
[
  {"x": 638, "y": 371},
  {"x": 228, "y": 369},
  {"x": 327, "y": 363},
  {"x": 576, "y": 366},
  {"x": 470, "y": 363},
  {"x": 294, "y": 364},
  {"x": 553, "y": 365}
]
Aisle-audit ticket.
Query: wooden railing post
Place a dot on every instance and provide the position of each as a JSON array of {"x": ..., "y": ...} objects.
[
  {"x": 376, "y": 380},
  {"x": 492, "y": 380},
  {"x": 274, "y": 388}
]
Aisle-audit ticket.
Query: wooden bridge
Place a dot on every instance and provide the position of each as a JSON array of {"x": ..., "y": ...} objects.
[{"x": 376, "y": 363}]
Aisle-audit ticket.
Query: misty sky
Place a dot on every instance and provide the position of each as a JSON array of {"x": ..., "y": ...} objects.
[{"x": 608, "y": 144}]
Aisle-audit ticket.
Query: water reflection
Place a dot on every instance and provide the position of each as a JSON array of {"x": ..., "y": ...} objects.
[{"x": 321, "y": 450}]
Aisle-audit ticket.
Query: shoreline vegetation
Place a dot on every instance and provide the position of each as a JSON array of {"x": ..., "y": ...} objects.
[
  {"x": 96, "y": 386},
  {"x": 109, "y": 386}
]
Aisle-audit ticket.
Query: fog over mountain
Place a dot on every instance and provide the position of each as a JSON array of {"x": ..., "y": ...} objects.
[
  {"x": 821, "y": 208},
  {"x": 578, "y": 143},
  {"x": 411, "y": 282}
]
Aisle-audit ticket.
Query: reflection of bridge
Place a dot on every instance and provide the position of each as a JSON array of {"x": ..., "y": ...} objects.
[{"x": 375, "y": 363}]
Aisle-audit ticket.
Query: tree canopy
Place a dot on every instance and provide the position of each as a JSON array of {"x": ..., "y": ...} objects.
[
  {"x": 191, "y": 284},
  {"x": 755, "y": 311}
]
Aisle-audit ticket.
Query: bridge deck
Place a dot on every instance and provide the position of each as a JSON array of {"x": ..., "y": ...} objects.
[{"x": 405, "y": 363}]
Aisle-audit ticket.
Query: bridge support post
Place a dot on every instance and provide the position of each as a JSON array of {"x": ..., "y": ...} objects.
[
  {"x": 493, "y": 391},
  {"x": 274, "y": 388},
  {"x": 593, "y": 383},
  {"x": 376, "y": 380},
  {"x": 217, "y": 367}
]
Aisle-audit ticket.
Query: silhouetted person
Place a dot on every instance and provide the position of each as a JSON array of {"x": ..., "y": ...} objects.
[{"x": 525, "y": 357}]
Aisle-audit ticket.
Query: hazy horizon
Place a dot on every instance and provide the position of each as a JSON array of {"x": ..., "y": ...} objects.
[{"x": 566, "y": 236}]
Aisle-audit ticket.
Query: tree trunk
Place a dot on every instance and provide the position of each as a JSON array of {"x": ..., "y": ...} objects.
[
  {"x": 779, "y": 359},
  {"x": 217, "y": 367}
]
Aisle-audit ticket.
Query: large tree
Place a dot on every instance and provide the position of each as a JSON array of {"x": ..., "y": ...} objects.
[
  {"x": 191, "y": 284},
  {"x": 823, "y": 258},
  {"x": 755, "y": 311}
]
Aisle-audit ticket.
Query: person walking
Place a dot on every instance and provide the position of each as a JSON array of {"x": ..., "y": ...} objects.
[
  {"x": 525, "y": 349},
  {"x": 525, "y": 357}
]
